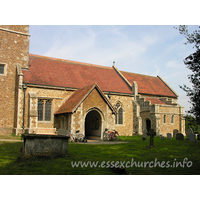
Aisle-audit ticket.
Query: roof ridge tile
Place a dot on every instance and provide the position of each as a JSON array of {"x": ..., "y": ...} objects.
[{"x": 70, "y": 61}]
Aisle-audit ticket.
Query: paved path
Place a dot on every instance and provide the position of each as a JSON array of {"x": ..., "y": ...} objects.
[{"x": 101, "y": 142}]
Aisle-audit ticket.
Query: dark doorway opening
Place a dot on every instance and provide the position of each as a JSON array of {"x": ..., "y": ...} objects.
[
  {"x": 148, "y": 126},
  {"x": 93, "y": 125}
]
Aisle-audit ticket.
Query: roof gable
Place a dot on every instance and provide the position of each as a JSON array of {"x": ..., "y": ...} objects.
[{"x": 73, "y": 102}]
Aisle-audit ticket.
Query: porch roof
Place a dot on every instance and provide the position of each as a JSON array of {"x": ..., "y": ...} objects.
[{"x": 72, "y": 103}]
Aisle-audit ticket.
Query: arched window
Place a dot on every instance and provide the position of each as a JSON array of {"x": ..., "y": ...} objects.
[
  {"x": 164, "y": 119},
  {"x": 119, "y": 116},
  {"x": 172, "y": 121}
]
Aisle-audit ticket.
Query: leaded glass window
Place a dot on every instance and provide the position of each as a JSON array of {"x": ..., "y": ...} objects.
[
  {"x": 44, "y": 110},
  {"x": 48, "y": 111},
  {"x": 116, "y": 118},
  {"x": 117, "y": 105},
  {"x": 40, "y": 110},
  {"x": 119, "y": 116}
]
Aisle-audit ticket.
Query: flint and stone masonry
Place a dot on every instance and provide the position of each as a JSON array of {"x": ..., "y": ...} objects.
[{"x": 113, "y": 94}]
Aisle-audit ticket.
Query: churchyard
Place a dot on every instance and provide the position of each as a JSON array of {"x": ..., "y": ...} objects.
[{"x": 168, "y": 156}]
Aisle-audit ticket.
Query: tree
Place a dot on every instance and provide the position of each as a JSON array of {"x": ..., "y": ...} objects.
[
  {"x": 190, "y": 122},
  {"x": 193, "y": 63}
]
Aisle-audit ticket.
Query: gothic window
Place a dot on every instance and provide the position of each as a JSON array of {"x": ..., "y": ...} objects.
[
  {"x": 116, "y": 118},
  {"x": 120, "y": 113},
  {"x": 44, "y": 110},
  {"x": 117, "y": 105},
  {"x": 119, "y": 116}
]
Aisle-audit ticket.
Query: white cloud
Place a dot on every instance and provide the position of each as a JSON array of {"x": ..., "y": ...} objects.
[{"x": 88, "y": 46}]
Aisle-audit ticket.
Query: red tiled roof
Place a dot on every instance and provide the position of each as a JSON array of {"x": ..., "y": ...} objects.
[
  {"x": 149, "y": 84},
  {"x": 155, "y": 101},
  {"x": 64, "y": 73},
  {"x": 71, "y": 103},
  {"x": 77, "y": 97}
]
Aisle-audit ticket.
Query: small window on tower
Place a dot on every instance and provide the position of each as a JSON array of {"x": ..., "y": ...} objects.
[{"x": 2, "y": 69}]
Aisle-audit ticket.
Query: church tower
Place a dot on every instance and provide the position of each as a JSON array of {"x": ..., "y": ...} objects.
[{"x": 14, "y": 55}]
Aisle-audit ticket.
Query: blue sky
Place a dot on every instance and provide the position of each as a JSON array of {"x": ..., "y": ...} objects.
[
  {"x": 152, "y": 50},
  {"x": 141, "y": 39},
  {"x": 144, "y": 49}
]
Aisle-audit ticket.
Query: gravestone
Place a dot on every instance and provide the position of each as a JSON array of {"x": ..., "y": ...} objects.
[
  {"x": 144, "y": 136},
  {"x": 175, "y": 131},
  {"x": 179, "y": 136},
  {"x": 162, "y": 137},
  {"x": 145, "y": 133},
  {"x": 151, "y": 137},
  {"x": 198, "y": 137},
  {"x": 188, "y": 132},
  {"x": 169, "y": 136},
  {"x": 192, "y": 137},
  {"x": 152, "y": 133}
]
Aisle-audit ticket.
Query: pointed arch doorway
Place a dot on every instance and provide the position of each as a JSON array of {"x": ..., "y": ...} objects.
[
  {"x": 148, "y": 126},
  {"x": 93, "y": 125}
]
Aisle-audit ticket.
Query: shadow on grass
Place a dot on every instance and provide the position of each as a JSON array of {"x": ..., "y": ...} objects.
[{"x": 133, "y": 156}]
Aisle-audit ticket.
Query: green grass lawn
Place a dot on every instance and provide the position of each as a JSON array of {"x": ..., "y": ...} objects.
[{"x": 166, "y": 154}]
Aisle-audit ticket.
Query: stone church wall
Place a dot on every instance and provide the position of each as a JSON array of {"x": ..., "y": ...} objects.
[
  {"x": 14, "y": 55},
  {"x": 57, "y": 97},
  {"x": 128, "y": 116},
  {"x": 178, "y": 122},
  {"x": 14, "y": 50}
]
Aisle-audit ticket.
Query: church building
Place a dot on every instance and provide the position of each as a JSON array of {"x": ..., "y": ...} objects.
[{"x": 46, "y": 95}]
